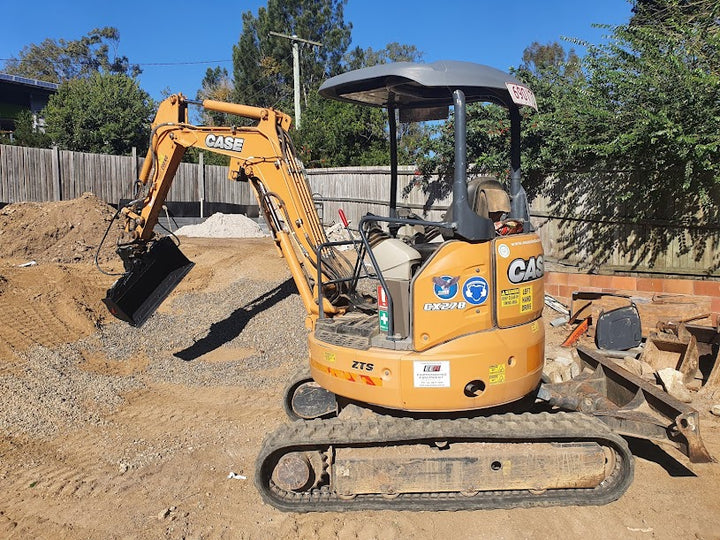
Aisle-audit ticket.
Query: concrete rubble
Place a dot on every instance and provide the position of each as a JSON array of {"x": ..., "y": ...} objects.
[{"x": 672, "y": 381}]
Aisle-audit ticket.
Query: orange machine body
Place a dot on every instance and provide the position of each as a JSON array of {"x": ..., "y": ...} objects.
[{"x": 477, "y": 340}]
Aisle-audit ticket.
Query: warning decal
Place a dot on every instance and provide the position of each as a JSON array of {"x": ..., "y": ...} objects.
[
  {"x": 526, "y": 299},
  {"x": 383, "y": 318},
  {"x": 510, "y": 297}
]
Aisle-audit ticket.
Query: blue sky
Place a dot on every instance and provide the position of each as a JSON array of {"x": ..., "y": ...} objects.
[{"x": 193, "y": 36}]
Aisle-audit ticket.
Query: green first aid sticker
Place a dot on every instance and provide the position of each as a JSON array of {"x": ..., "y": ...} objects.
[{"x": 383, "y": 318}]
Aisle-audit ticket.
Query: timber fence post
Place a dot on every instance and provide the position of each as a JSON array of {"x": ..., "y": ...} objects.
[
  {"x": 56, "y": 180},
  {"x": 201, "y": 183}
]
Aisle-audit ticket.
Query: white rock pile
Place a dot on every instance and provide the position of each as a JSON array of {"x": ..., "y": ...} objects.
[{"x": 223, "y": 226}]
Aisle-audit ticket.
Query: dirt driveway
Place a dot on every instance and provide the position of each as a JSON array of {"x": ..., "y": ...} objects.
[{"x": 114, "y": 432}]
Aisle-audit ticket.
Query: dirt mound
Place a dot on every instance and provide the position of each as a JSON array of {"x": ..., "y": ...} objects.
[
  {"x": 52, "y": 301},
  {"x": 61, "y": 232},
  {"x": 49, "y": 304}
]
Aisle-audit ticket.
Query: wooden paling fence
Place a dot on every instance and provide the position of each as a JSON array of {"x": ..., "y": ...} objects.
[
  {"x": 32, "y": 174},
  {"x": 37, "y": 174}
]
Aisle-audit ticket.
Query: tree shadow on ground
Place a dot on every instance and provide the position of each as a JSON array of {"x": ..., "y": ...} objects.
[{"x": 224, "y": 331}]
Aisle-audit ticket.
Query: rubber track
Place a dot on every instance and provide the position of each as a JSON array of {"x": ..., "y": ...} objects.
[{"x": 317, "y": 435}]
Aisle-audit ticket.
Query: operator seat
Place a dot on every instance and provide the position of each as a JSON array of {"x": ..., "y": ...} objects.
[{"x": 487, "y": 197}]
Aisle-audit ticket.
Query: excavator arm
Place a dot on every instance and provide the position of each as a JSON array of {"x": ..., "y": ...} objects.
[{"x": 261, "y": 154}]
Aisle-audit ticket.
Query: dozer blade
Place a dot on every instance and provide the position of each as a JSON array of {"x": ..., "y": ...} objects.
[
  {"x": 150, "y": 279},
  {"x": 629, "y": 405}
]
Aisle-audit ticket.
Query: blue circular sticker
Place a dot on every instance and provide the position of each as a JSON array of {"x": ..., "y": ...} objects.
[
  {"x": 445, "y": 287},
  {"x": 475, "y": 290}
]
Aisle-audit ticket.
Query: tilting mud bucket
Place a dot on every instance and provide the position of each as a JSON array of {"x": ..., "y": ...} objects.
[{"x": 152, "y": 277}]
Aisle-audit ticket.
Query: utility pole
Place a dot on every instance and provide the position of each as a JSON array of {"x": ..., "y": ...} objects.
[{"x": 296, "y": 68}]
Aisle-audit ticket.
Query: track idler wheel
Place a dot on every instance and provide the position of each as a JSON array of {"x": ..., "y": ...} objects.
[{"x": 304, "y": 399}]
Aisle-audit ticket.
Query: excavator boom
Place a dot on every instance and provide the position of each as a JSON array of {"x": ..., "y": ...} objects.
[{"x": 261, "y": 154}]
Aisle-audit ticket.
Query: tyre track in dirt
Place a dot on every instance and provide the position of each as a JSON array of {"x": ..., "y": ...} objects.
[
  {"x": 48, "y": 305},
  {"x": 140, "y": 454}
]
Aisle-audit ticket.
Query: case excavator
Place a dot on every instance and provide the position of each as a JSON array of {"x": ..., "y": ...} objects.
[{"x": 423, "y": 389}]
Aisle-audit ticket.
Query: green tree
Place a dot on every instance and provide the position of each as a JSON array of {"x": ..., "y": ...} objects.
[
  {"x": 26, "y": 132},
  {"x": 392, "y": 52},
  {"x": 60, "y": 60},
  {"x": 103, "y": 113},
  {"x": 262, "y": 63},
  {"x": 216, "y": 85},
  {"x": 640, "y": 140},
  {"x": 337, "y": 134},
  {"x": 655, "y": 90},
  {"x": 628, "y": 133}
]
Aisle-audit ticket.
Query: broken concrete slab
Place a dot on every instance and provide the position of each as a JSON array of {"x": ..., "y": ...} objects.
[
  {"x": 565, "y": 364},
  {"x": 673, "y": 382}
]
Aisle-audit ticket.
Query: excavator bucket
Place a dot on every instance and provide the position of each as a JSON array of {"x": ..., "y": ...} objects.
[{"x": 149, "y": 280}]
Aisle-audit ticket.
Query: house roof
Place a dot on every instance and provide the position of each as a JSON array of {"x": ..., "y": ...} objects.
[{"x": 30, "y": 83}]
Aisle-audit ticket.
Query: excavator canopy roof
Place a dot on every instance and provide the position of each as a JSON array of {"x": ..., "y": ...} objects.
[{"x": 409, "y": 85}]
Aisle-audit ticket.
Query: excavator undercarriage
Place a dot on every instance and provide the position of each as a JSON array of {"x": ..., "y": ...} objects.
[
  {"x": 566, "y": 450},
  {"x": 498, "y": 461}
]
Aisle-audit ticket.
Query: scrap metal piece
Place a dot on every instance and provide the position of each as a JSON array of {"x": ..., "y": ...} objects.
[
  {"x": 555, "y": 304},
  {"x": 629, "y": 405},
  {"x": 708, "y": 342},
  {"x": 576, "y": 333},
  {"x": 619, "y": 328}
]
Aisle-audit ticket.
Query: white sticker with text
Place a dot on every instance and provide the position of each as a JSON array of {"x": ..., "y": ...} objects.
[{"x": 431, "y": 374}]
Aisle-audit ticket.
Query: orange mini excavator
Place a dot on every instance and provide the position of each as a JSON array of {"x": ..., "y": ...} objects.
[{"x": 423, "y": 388}]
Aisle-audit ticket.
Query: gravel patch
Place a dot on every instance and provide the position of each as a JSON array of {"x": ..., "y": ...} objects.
[
  {"x": 48, "y": 391},
  {"x": 266, "y": 318},
  {"x": 249, "y": 334}
]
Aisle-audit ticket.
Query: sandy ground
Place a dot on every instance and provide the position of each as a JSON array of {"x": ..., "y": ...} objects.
[{"x": 103, "y": 440}]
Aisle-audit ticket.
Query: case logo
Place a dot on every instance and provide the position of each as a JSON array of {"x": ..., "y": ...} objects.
[
  {"x": 224, "y": 142},
  {"x": 521, "y": 270}
]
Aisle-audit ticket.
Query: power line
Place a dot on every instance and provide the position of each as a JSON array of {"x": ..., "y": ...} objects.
[
  {"x": 160, "y": 63},
  {"x": 182, "y": 63}
]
